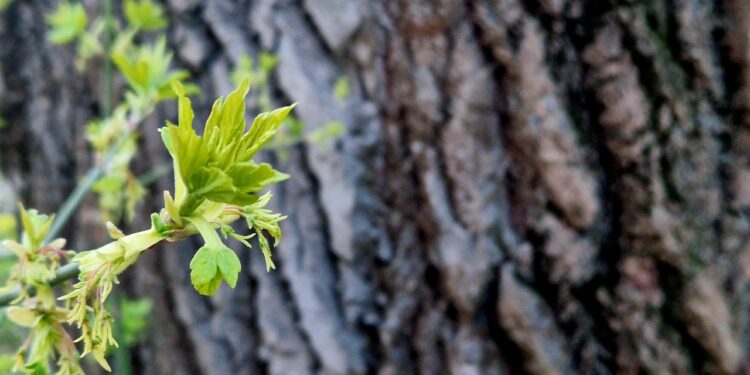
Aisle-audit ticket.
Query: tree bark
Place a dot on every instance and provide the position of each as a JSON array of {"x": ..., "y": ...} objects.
[{"x": 541, "y": 187}]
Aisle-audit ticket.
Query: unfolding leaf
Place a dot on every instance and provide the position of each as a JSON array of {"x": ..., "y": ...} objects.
[
  {"x": 217, "y": 166},
  {"x": 146, "y": 68},
  {"x": 264, "y": 127},
  {"x": 204, "y": 272},
  {"x": 35, "y": 226},
  {"x": 229, "y": 265},
  {"x": 254, "y": 177},
  {"x": 213, "y": 184},
  {"x": 213, "y": 262}
]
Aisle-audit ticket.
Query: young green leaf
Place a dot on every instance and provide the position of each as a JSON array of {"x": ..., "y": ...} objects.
[
  {"x": 90, "y": 44},
  {"x": 341, "y": 89},
  {"x": 204, "y": 272},
  {"x": 146, "y": 68},
  {"x": 35, "y": 226},
  {"x": 210, "y": 265},
  {"x": 218, "y": 166},
  {"x": 144, "y": 14},
  {"x": 213, "y": 262},
  {"x": 254, "y": 177},
  {"x": 264, "y": 127},
  {"x": 68, "y": 22}
]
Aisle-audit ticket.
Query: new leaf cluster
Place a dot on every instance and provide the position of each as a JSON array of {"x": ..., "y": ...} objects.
[{"x": 215, "y": 172}]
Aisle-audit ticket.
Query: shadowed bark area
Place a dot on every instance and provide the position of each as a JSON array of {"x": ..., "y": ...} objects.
[{"x": 540, "y": 187}]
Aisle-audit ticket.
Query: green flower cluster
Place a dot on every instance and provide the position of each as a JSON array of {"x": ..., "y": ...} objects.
[{"x": 39, "y": 313}]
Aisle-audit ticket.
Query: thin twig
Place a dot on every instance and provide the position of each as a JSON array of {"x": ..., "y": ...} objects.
[
  {"x": 75, "y": 198},
  {"x": 64, "y": 273}
]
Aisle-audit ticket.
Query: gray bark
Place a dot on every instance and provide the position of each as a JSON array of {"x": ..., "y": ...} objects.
[{"x": 541, "y": 187}]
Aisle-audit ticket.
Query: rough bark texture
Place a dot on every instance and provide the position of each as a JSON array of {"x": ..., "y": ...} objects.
[{"x": 541, "y": 187}]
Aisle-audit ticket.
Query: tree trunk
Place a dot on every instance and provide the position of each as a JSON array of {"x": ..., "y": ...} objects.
[{"x": 541, "y": 187}]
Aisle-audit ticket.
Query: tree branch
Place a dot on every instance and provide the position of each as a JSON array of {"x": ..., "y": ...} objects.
[{"x": 64, "y": 273}]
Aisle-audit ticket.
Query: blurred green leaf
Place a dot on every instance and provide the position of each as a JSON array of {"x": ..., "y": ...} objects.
[
  {"x": 67, "y": 22},
  {"x": 144, "y": 14},
  {"x": 243, "y": 70},
  {"x": 295, "y": 127},
  {"x": 341, "y": 89},
  {"x": 90, "y": 44},
  {"x": 134, "y": 193},
  {"x": 257, "y": 73},
  {"x": 7, "y": 362},
  {"x": 268, "y": 62},
  {"x": 330, "y": 131},
  {"x": 8, "y": 227},
  {"x": 35, "y": 226},
  {"x": 134, "y": 314},
  {"x": 146, "y": 69},
  {"x": 4, "y": 4}
]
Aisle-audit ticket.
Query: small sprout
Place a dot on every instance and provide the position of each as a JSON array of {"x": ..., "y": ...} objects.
[
  {"x": 171, "y": 208},
  {"x": 35, "y": 227},
  {"x": 159, "y": 226}
]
